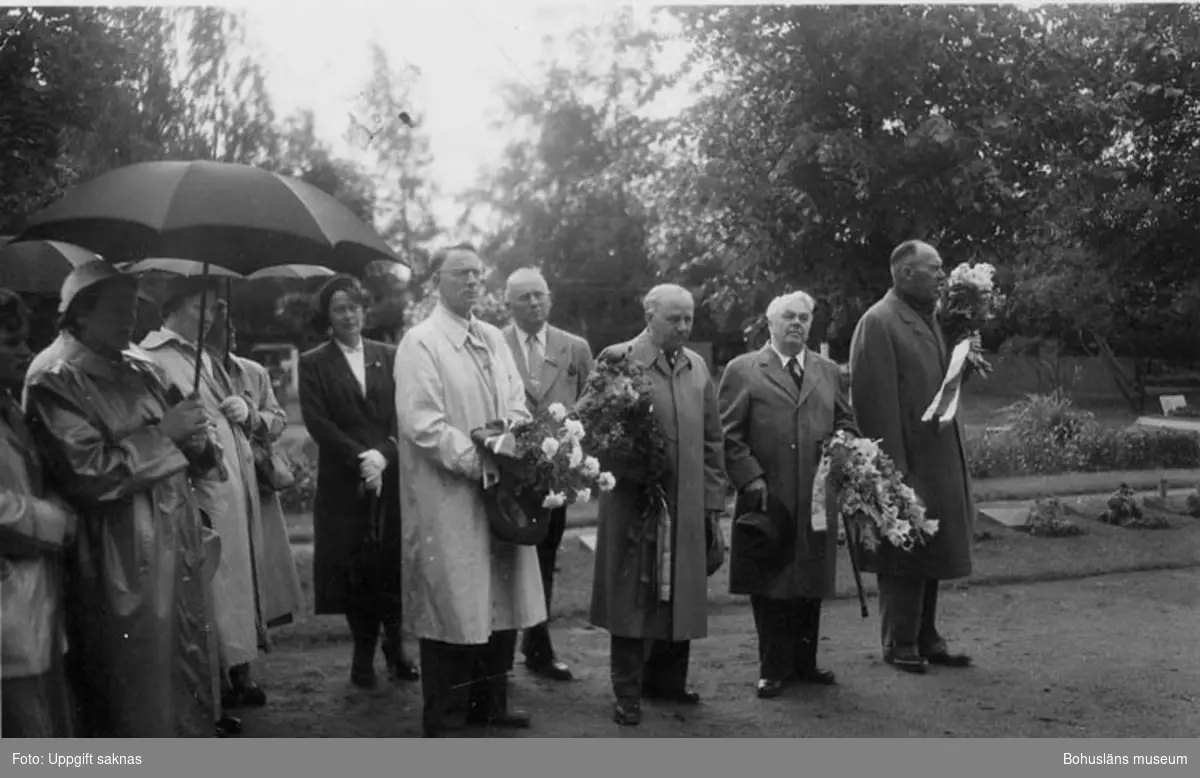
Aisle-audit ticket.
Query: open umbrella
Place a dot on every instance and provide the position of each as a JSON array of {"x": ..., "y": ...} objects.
[
  {"x": 40, "y": 266},
  {"x": 240, "y": 217},
  {"x": 297, "y": 272}
]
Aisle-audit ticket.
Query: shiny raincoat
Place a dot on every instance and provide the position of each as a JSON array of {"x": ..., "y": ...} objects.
[
  {"x": 460, "y": 582},
  {"x": 231, "y": 505},
  {"x": 278, "y": 571},
  {"x": 138, "y": 598},
  {"x": 32, "y": 634}
]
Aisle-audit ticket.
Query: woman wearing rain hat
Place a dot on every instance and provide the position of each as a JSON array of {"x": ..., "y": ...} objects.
[{"x": 139, "y": 614}]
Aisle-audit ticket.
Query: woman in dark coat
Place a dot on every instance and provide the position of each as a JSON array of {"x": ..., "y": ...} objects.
[{"x": 348, "y": 402}]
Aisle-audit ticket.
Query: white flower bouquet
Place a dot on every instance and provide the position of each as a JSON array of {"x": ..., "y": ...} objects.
[
  {"x": 968, "y": 302},
  {"x": 871, "y": 494},
  {"x": 547, "y": 457}
]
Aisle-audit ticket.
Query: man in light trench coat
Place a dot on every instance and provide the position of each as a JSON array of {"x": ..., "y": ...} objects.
[
  {"x": 465, "y": 592},
  {"x": 651, "y": 638},
  {"x": 554, "y": 365},
  {"x": 898, "y": 358},
  {"x": 779, "y": 405}
]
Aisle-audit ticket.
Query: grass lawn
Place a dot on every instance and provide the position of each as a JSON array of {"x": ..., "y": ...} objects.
[{"x": 1005, "y": 557}]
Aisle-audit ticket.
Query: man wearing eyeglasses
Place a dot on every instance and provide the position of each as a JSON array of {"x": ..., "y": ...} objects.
[{"x": 466, "y": 593}]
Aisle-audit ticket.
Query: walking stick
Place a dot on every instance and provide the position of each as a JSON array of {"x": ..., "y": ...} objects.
[{"x": 851, "y": 547}]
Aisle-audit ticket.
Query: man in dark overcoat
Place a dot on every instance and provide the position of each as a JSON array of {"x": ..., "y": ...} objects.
[
  {"x": 898, "y": 359},
  {"x": 778, "y": 407},
  {"x": 651, "y": 636},
  {"x": 554, "y": 365}
]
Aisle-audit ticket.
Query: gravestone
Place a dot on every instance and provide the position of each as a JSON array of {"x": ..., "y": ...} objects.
[
  {"x": 1171, "y": 402},
  {"x": 1171, "y": 423}
]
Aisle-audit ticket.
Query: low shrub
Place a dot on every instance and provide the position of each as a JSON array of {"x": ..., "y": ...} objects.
[
  {"x": 298, "y": 498},
  {"x": 1049, "y": 435}
]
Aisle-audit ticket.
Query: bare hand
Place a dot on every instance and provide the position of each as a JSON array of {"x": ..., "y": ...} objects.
[
  {"x": 235, "y": 409},
  {"x": 184, "y": 420},
  {"x": 756, "y": 493}
]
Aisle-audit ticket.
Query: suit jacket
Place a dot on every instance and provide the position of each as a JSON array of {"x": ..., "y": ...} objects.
[
  {"x": 775, "y": 431},
  {"x": 897, "y": 363},
  {"x": 565, "y": 369},
  {"x": 345, "y": 423}
]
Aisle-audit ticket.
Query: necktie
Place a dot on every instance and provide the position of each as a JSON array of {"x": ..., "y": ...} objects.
[
  {"x": 535, "y": 357},
  {"x": 670, "y": 360},
  {"x": 795, "y": 371}
]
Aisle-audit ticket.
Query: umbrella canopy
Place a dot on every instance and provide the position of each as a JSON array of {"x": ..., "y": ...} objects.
[
  {"x": 239, "y": 217},
  {"x": 178, "y": 267},
  {"x": 40, "y": 266},
  {"x": 299, "y": 272}
]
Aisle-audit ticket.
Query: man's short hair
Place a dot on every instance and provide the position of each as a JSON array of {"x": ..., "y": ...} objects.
[
  {"x": 784, "y": 299},
  {"x": 906, "y": 251},
  {"x": 439, "y": 257},
  {"x": 522, "y": 274},
  {"x": 656, "y": 295},
  {"x": 13, "y": 312}
]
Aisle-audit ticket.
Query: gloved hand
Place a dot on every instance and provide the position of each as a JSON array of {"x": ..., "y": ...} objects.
[
  {"x": 371, "y": 464},
  {"x": 235, "y": 409}
]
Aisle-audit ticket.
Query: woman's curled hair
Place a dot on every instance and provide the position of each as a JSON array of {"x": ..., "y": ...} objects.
[{"x": 342, "y": 282}]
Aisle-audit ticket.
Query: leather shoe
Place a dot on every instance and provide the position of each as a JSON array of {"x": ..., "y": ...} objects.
[
  {"x": 555, "y": 670},
  {"x": 817, "y": 676},
  {"x": 511, "y": 719},
  {"x": 947, "y": 659},
  {"x": 228, "y": 726},
  {"x": 909, "y": 663},
  {"x": 680, "y": 696},
  {"x": 363, "y": 677},
  {"x": 628, "y": 713},
  {"x": 767, "y": 689},
  {"x": 402, "y": 670}
]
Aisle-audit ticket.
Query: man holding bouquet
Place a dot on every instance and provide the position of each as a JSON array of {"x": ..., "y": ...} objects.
[
  {"x": 778, "y": 406},
  {"x": 898, "y": 358},
  {"x": 650, "y": 589},
  {"x": 466, "y": 592},
  {"x": 554, "y": 365}
]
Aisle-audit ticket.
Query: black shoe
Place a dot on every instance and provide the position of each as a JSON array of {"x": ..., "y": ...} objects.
[
  {"x": 628, "y": 713},
  {"x": 679, "y": 696},
  {"x": 248, "y": 695},
  {"x": 909, "y": 663},
  {"x": 817, "y": 676},
  {"x": 947, "y": 659},
  {"x": 555, "y": 670},
  {"x": 766, "y": 689},
  {"x": 228, "y": 726},
  {"x": 402, "y": 669},
  {"x": 363, "y": 677},
  {"x": 509, "y": 719}
]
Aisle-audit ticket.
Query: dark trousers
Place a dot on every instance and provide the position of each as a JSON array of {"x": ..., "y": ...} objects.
[
  {"x": 908, "y": 615},
  {"x": 788, "y": 633},
  {"x": 37, "y": 706},
  {"x": 367, "y": 619},
  {"x": 638, "y": 665},
  {"x": 465, "y": 681},
  {"x": 536, "y": 645}
]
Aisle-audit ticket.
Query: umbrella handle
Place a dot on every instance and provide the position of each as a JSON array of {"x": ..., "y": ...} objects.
[{"x": 200, "y": 334}]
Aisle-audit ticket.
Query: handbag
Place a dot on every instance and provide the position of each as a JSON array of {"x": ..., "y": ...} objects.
[{"x": 273, "y": 467}]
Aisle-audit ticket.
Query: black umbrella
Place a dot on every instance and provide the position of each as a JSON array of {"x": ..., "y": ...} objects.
[
  {"x": 240, "y": 217},
  {"x": 40, "y": 266}
]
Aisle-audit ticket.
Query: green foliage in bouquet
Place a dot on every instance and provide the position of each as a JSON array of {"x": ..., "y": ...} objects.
[{"x": 618, "y": 413}]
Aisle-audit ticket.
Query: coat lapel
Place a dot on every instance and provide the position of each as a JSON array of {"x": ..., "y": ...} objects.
[
  {"x": 377, "y": 375},
  {"x": 555, "y": 360},
  {"x": 810, "y": 380},
  {"x": 918, "y": 325},
  {"x": 342, "y": 372},
  {"x": 775, "y": 374}
]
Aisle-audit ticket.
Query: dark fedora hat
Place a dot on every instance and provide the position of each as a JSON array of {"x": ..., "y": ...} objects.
[{"x": 764, "y": 537}]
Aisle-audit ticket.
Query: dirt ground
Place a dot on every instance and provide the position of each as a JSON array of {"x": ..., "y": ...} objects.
[{"x": 1112, "y": 656}]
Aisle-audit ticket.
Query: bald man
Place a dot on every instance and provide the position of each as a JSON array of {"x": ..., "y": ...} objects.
[
  {"x": 650, "y": 628},
  {"x": 898, "y": 358},
  {"x": 554, "y": 365}
]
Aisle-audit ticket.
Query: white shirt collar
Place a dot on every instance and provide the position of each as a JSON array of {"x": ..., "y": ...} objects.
[
  {"x": 462, "y": 330},
  {"x": 351, "y": 349},
  {"x": 784, "y": 359},
  {"x": 540, "y": 334}
]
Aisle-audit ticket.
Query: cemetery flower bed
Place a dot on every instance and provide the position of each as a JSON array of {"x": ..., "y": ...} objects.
[{"x": 1049, "y": 435}]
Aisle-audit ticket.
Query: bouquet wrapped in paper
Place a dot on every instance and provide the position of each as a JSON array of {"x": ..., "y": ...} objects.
[
  {"x": 969, "y": 301},
  {"x": 618, "y": 412},
  {"x": 542, "y": 465},
  {"x": 871, "y": 495}
]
